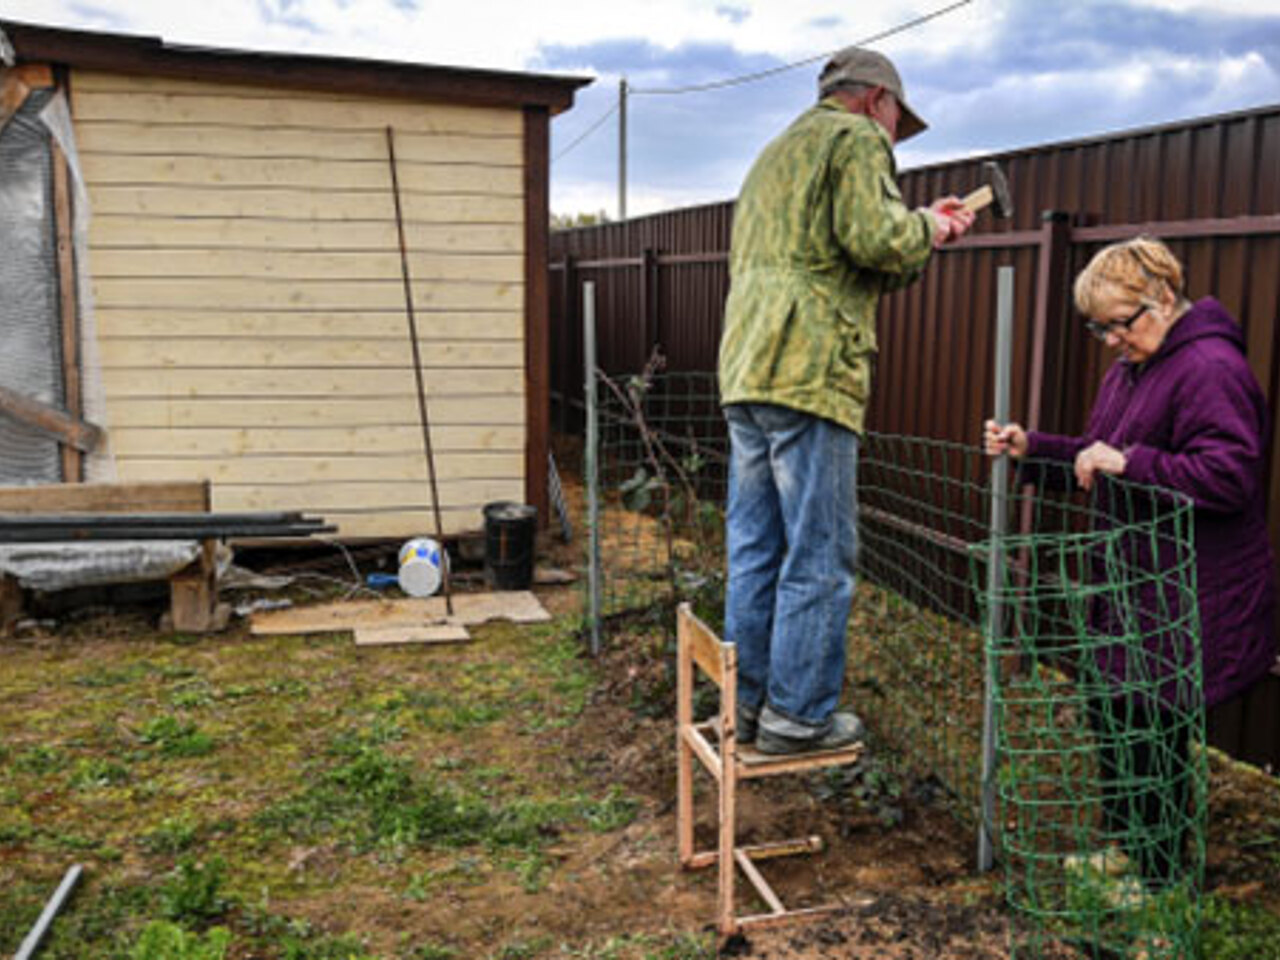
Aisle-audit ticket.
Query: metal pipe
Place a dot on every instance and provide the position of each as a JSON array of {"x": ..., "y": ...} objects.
[
  {"x": 64, "y": 533},
  {"x": 153, "y": 519},
  {"x": 995, "y": 568},
  {"x": 592, "y": 466},
  {"x": 32, "y": 942},
  {"x": 417, "y": 373}
]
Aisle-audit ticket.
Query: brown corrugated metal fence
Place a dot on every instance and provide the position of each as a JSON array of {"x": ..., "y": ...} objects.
[{"x": 1210, "y": 187}]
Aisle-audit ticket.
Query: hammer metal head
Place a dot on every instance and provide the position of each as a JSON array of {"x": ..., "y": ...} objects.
[{"x": 1003, "y": 200}]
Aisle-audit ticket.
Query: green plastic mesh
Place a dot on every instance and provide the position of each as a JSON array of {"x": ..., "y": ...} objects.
[
  {"x": 1089, "y": 636},
  {"x": 1094, "y": 650}
]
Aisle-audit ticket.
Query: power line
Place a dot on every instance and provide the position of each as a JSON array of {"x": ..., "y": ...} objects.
[
  {"x": 760, "y": 75},
  {"x": 589, "y": 131}
]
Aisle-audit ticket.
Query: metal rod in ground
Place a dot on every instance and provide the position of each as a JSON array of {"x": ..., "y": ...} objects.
[
  {"x": 32, "y": 942},
  {"x": 592, "y": 468},
  {"x": 417, "y": 372},
  {"x": 995, "y": 566}
]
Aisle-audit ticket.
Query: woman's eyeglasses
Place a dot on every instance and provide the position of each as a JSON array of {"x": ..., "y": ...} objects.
[{"x": 1102, "y": 330}]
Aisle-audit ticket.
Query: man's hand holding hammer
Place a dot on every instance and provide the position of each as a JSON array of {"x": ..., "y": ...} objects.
[{"x": 951, "y": 219}]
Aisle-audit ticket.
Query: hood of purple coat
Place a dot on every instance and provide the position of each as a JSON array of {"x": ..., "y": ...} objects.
[{"x": 1206, "y": 318}]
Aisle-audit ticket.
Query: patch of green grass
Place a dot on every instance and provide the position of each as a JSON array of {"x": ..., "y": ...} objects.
[
  {"x": 371, "y": 799},
  {"x": 191, "y": 695},
  {"x": 193, "y": 892},
  {"x": 100, "y": 921},
  {"x": 113, "y": 676},
  {"x": 523, "y": 949},
  {"x": 168, "y": 941},
  {"x": 174, "y": 835},
  {"x": 450, "y": 713},
  {"x": 431, "y": 951},
  {"x": 1238, "y": 931},
  {"x": 680, "y": 946},
  {"x": 176, "y": 738},
  {"x": 39, "y": 759},
  {"x": 96, "y": 773}
]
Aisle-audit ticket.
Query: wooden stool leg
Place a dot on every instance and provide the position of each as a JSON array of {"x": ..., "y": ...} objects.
[{"x": 728, "y": 792}]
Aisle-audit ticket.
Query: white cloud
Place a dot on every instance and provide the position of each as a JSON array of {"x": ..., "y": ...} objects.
[{"x": 503, "y": 34}]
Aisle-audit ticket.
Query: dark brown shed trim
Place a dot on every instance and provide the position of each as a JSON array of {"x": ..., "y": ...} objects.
[{"x": 140, "y": 55}]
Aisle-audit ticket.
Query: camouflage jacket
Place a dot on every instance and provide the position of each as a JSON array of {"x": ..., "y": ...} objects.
[{"x": 819, "y": 232}]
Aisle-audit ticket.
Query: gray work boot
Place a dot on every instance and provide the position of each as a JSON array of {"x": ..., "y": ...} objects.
[
  {"x": 781, "y": 735},
  {"x": 747, "y": 723}
]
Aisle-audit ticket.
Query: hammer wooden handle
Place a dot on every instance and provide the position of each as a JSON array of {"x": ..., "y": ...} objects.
[{"x": 982, "y": 197}]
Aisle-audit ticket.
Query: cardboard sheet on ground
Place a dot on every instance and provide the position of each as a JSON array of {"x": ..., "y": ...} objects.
[{"x": 377, "y": 619}]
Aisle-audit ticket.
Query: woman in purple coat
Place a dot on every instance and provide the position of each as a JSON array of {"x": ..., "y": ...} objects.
[{"x": 1178, "y": 409}]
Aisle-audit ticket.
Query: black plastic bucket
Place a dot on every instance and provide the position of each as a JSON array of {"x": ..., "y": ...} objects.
[{"x": 510, "y": 533}]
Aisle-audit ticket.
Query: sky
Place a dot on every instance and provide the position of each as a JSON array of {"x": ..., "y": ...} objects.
[{"x": 990, "y": 75}]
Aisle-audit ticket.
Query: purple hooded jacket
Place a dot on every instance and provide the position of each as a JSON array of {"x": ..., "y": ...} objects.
[{"x": 1192, "y": 418}]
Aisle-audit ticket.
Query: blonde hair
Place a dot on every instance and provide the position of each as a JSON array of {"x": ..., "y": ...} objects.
[{"x": 1131, "y": 267}]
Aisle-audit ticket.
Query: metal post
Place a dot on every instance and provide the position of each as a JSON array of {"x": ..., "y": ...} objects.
[
  {"x": 32, "y": 942},
  {"x": 592, "y": 465},
  {"x": 995, "y": 567},
  {"x": 622, "y": 149}
]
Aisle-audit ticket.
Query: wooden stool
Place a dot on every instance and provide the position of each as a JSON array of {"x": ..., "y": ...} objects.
[{"x": 715, "y": 744}]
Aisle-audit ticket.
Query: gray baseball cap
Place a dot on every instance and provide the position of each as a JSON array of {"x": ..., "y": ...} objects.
[{"x": 858, "y": 65}]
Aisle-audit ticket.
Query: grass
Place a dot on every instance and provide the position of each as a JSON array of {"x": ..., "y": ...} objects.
[{"x": 273, "y": 798}]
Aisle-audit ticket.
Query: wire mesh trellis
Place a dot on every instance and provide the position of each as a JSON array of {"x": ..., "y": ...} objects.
[
  {"x": 1100, "y": 720},
  {"x": 1101, "y": 774}
]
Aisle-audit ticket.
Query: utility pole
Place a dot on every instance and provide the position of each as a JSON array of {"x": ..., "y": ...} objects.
[{"x": 622, "y": 149}]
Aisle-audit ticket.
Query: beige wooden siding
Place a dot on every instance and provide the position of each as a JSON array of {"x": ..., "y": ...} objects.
[{"x": 247, "y": 284}]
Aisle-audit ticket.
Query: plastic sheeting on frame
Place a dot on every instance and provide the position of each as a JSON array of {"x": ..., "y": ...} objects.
[{"x": 31, "y": 361}]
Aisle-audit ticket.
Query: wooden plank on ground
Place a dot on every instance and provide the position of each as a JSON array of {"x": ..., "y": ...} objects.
[
  {"x": 518, "y": 606},
  {"x": 403, "y": 635},
  {"x": 166, "y": 497}
]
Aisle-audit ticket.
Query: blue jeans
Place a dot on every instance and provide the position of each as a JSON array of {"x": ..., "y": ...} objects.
[{"x": 792, "y": 535}]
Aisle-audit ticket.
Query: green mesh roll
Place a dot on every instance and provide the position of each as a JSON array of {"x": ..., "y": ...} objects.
[{"x": 1093, "y": 652}]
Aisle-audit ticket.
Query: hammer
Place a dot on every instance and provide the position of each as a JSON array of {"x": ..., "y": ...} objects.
[{"x": 995, "y": 190}]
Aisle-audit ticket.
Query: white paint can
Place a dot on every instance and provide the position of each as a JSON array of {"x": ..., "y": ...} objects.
[{"x": 422, "y": 563}]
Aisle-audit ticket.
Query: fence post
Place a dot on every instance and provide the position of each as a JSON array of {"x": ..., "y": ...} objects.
[
  {"x": 1048, "y": 356},
  {"x": 995, "y": 568},
  {"x": 568, "y": 334},
  {"x": 649, "y": 302},
  {"x": 592, "y": 467}
]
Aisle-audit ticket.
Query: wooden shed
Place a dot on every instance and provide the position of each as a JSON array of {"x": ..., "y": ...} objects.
[{"x": 245, "y": 280}]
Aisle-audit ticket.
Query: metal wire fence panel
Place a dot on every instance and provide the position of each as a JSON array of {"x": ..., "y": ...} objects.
[
  {"x": 663, "y": 474},
  {"x": 1085, "y": 638},
  {"x": 1093, "y": 639}
]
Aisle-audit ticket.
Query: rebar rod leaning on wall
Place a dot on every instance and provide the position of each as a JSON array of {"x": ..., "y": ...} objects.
[
  {"x": 417, "y": 372},
  {"x": 32, "y": 942},
  {"x": 592, "y": 467},
  {"x": 995, "y": 568}
]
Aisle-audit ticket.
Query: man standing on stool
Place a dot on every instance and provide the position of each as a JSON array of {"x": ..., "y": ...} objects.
[{"x": 819, "y": 232}]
